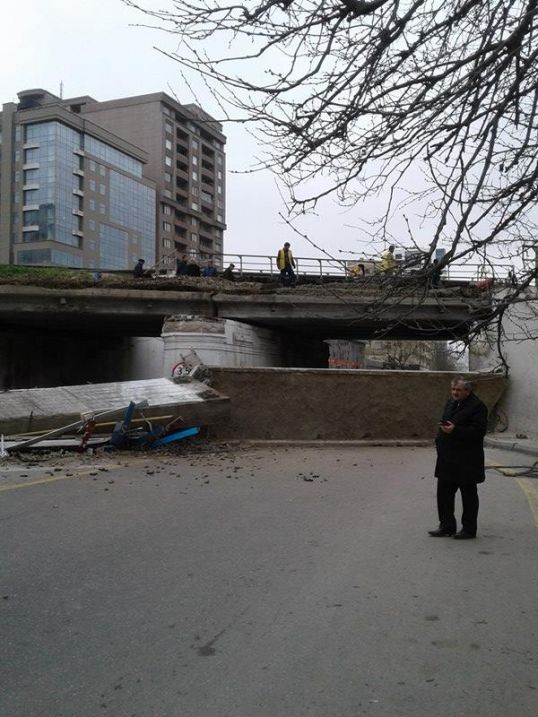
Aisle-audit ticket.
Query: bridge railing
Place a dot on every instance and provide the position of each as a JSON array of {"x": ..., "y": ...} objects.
[
  {"x": 327, "y": 268},
  {"x": 266, "y": 264}
]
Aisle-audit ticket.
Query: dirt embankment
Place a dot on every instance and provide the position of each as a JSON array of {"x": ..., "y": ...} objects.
[{"x": 83, "y": 280}]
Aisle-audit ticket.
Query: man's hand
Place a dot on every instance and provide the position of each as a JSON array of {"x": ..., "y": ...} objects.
[{"x": 447, "y": 427}]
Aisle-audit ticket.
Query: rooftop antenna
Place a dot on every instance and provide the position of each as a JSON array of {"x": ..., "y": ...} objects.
[{"x": 61, "y": 89}]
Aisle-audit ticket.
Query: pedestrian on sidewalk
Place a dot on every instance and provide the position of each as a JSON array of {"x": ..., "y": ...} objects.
[{"x": 460, "y": 460}]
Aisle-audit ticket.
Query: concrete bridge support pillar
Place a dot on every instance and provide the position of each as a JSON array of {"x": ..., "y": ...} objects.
[{"x": 231, "y": 344}]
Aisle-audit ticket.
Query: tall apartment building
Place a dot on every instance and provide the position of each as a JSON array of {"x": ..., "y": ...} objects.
[
  {"x": 72, "y": 193},
  {"x": 186, "y": 160}
]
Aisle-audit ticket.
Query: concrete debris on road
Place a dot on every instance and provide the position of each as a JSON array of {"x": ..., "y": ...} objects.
[{"x": 129, "y": 414}]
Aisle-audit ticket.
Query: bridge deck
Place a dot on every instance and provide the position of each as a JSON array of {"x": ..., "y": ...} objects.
[{"x": 329, "y": 311}]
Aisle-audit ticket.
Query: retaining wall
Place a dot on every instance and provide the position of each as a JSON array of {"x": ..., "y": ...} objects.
[{"x": 327, "y": 404}]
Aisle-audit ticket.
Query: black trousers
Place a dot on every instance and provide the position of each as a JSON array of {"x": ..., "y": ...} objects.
[
  {"x": 446, "y": 496},
  {"x": 287, "y": 276}
]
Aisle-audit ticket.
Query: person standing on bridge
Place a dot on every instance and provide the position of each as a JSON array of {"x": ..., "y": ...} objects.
[
  {"x": 138, "y": 271},
  {"x": 388, "y": 262},
  {"x": 228, "y": 273},
  {"x": 286, "y": 264},
  {"x": 460, "y": 460}
]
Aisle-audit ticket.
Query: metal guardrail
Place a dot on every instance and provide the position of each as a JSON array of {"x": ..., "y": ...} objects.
[
  {"x": 265, "y": 266},
  {"x": 326, "y": 268}
]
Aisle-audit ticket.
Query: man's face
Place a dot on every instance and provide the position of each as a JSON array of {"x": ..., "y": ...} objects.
[{"x": 459, "y": 392}]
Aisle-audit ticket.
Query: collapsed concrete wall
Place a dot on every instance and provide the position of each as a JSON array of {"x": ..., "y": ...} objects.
[{"x": 325, "y": 404}]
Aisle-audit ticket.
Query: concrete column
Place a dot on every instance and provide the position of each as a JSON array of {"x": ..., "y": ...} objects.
[{"x": 233, "y": 344}]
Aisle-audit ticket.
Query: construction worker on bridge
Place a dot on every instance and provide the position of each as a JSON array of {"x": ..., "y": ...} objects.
[
  {"x": 286, "y": 264},
  {"x": 388, "y": 262}
]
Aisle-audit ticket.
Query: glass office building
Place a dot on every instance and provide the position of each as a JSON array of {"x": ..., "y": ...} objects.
[{"x": 71, "y": 193}]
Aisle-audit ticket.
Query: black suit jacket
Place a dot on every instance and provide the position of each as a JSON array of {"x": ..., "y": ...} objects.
[{"x": 460, "y": 454}]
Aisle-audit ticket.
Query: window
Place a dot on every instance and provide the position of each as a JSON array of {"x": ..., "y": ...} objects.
[
  {"x": 169, "y": 127},
  {"x": 113, "y": 247},
  {"x": 194, "y": 238},
  {"x": 102, "y": 189},
  {"x": 92, "y": 224},
  {"x": 31, "y": 155},
  {"x": 102, "y": 208},
  {"x": 111, "y": 155},
  {"x": 168, "y": 161},
  {"x": 167, "y": 177},
  {"x": 167, "y": 227},
  {"x": 167, "y": 209},
  {"x": 194, "y": 175},
  {"x": 194, "y": 206},
  {"x": 194, "y": 221},
  {"x": 93, "y": 166},
  {"x": 195, "y": 160},
  {"x": 194, "y": 143},
  {"x": 92, "y": 185},
  {"x": 91, "y": 204},
  {"x": 168, "y": 145},
  {"x": 31, "y": 176}
]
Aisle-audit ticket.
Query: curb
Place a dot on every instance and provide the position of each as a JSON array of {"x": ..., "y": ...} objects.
[
  {"x": 386, "y": 443},
  {"x": 530, "y": 450}
]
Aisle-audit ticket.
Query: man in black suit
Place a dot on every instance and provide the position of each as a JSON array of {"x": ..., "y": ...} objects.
[{"x": 460, "y": 460}]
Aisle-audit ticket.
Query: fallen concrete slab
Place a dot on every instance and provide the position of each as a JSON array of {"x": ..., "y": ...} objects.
[{"x": 34, "y": 410}]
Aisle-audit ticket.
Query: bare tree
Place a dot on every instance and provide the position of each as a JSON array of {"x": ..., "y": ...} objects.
[{"x": 430, "y": 103}]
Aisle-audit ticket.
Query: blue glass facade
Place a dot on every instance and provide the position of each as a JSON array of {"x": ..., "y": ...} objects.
[
  {"x": 112, "y": 156},
  {"x": 113, "y": 247},
  {"x": 132, "y": 205},
  {"x": 49, "y": 256},
  {"x": 82, "y": 193},
  {"x": 49, "y": 187}
]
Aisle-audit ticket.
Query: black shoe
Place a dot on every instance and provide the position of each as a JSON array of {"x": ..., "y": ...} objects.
[
  {"x": 464, "y": 535},
  {"x": 442, "y": 533}
]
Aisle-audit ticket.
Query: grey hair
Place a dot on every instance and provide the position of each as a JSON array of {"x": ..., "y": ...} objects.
[{"x": 467, "y": 385}]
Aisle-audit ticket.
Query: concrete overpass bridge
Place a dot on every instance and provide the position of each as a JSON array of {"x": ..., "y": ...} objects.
[{"x": 316, "y": 312}]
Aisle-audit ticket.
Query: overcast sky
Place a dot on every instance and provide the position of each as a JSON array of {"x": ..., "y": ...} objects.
[{"x": 92, "y": 48}]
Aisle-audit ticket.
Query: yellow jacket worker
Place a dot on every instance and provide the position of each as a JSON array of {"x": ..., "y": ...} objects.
[
  {"x": 286, "y": 264},
  {"x": 388, "y": 262}
]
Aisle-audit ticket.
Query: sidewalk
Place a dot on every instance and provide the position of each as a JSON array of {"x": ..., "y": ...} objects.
[{"x": 513, "y": 442}]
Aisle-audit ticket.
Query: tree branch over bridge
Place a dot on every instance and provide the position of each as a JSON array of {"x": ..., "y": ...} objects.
[{"x": 426, "y": 104}]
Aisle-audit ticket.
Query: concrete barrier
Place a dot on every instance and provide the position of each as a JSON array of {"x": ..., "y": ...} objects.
[{"x": 329, "y": 404}]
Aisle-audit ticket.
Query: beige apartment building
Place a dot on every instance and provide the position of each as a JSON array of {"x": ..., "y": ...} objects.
[{"x": 186, "y": 160}]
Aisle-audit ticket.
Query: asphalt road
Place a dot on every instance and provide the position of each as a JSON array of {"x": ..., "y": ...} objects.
[{"x": 263, "y": 583}]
